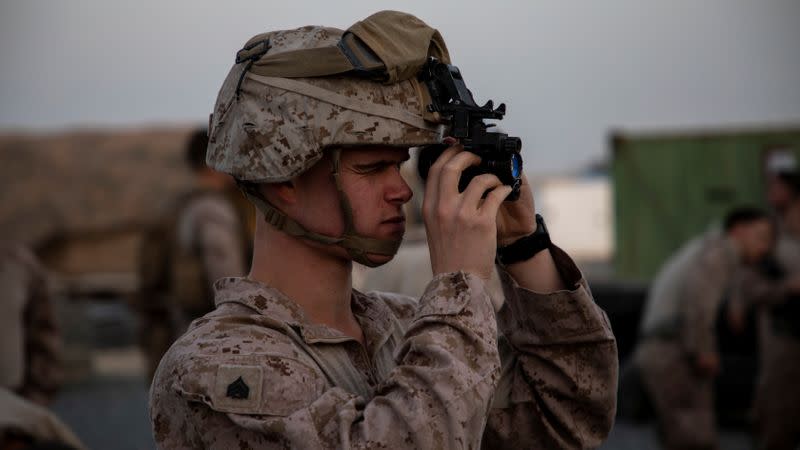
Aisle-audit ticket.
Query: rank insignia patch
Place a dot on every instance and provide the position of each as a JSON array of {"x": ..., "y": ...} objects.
[{"x": 238, "y": 389}]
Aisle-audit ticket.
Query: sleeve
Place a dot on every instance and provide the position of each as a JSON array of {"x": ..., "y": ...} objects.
[
  {"x": 220, "y": 244},
  {"x": 437, "y": 396},
  {"x": 42, "y": 341},
  {"x": 34, "y": 422},
  {"x": 705, "y": 286},
  {"x": 558, "y": 380}
]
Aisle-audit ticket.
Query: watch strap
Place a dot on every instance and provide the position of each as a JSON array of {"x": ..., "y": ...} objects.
[{"x": 526, "y": 247}]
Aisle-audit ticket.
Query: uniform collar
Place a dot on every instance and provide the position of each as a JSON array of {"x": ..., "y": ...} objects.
[{"x": 372, "y": 313}]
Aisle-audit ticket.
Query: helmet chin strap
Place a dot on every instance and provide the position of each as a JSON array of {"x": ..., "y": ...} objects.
[{"x": 357, "y": 246}]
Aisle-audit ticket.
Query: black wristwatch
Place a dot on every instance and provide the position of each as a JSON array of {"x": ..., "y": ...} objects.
[{"x": 525, "y": 248}]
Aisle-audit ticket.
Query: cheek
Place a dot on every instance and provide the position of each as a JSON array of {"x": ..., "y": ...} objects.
[
  {"x": 365, "y": 199},
  {"x": 761, "y": 246},
  {"x": 321, "y": 211}
]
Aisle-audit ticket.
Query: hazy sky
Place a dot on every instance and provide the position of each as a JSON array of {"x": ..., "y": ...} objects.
[{"x": 569, "y": 71}]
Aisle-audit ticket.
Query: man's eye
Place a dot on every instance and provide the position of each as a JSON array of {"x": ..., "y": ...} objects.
[
  {"x": 372, "y": 168},
  {"x": 367, "y": 169}
]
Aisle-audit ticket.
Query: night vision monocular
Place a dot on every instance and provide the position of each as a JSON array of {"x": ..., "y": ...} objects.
[{"x": 499, "y": 152}]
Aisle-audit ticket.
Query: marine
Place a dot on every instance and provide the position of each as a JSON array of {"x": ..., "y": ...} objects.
[
  {"x": 30, "y": 353},
  {"x": 294, "y": 357},
  {"x": 773, "y": 289},
  {"x": 29, "y": 336},
  {"x": 677, "y": 355},
  {"x": 199, "y": 238}
]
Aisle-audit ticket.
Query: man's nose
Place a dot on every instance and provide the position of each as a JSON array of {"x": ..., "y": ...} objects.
[{"x": 399, "y": 191}]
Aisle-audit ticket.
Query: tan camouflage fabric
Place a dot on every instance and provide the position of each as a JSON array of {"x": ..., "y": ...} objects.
[
  {"x": 30, "y": 342},
  {"x": 23, "y": 418},
  {"x": 278, "y": 127},
  {"x": 209, "y": 233},
  {"x": 211, "y": 224},
  {"x": 682, "y": 398},
  {"x": 390, "y": 45},
  {"x": 443, "y": 371},
  {"x": 688, "y": 290},
  {"x": 777, "y": 396}
]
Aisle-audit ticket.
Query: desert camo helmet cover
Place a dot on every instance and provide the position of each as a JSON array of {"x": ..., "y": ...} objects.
[{"x": 292, "y": 94}]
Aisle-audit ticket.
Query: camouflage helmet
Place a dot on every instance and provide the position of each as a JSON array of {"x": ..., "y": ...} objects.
[
  {"x": 270, "y": 125},
  {"x": 292, "y": 94}
]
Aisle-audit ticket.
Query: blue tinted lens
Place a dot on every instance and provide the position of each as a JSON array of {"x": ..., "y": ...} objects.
[{"x": 516, "y": 165}]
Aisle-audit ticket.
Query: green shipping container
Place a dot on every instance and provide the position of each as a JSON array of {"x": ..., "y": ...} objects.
[{"x": 669, "y": 187}]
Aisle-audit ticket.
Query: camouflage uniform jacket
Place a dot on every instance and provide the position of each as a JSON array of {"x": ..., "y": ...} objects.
[
  {"x": 441, "y": 372},
  {"x": 30, "y": 421},
  {"x": 211, "y": 224},
  {"x": 30, "y": 341},
  {"x": 687, "y": 292},
  {"x": 198, "y": 241}
]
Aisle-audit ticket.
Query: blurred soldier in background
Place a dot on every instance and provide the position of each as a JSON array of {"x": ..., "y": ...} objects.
[
  {"x": 199, "y": 238},
  {"x": 774, "y": 289},
  {"x": 30, "y": 341},
  {"x": 677, "y": 353},
  {"x": 25, "y": 425},
  {"x": 30, "y": 364}
]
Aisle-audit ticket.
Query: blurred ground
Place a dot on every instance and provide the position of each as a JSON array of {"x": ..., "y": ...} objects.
[
  {"x": 108, "y": 412},
  {"x": 107, "y": 407},
  {"x": 627, "y": 436}
]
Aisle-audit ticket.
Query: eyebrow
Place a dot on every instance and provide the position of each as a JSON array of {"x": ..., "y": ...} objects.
[{"x": 382, "y": 162}]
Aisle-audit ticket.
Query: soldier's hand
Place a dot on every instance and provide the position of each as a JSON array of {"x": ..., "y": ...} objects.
[
  {"x": 461, "y": 227},
  {"x": 708, "y": 364},
  {"x": 517, "y": 219}
]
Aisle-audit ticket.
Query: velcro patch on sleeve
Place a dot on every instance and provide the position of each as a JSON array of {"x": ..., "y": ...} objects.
[{"x": 237, "y": 388}]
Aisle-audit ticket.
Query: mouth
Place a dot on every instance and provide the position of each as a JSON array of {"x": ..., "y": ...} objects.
[
  {"x": 395, "y": 220},
  {"x": 396, "y": 226}
]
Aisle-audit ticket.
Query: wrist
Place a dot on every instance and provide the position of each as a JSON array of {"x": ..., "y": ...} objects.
[
  {"x": 505, "y": 241},
  {"x": 525, "y": 247}
]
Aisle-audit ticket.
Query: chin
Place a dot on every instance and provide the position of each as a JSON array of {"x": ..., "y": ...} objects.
[{"x": 379, "y": 260}]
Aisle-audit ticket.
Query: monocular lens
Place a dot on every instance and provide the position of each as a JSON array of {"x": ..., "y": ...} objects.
[{"x": 516, "y": 165}]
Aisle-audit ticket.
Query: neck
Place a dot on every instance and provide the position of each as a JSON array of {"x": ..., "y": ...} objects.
[{"x": 318, "y": 281}]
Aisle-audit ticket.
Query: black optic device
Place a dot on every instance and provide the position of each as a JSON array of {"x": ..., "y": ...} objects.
[{"x": 499, "y": 152}]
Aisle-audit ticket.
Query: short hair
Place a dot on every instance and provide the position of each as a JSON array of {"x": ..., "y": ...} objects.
[
  {"x": 196, "y": 147},
  {"x": 744, "y": 215},
  {"x": 791, "y": 178}
]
